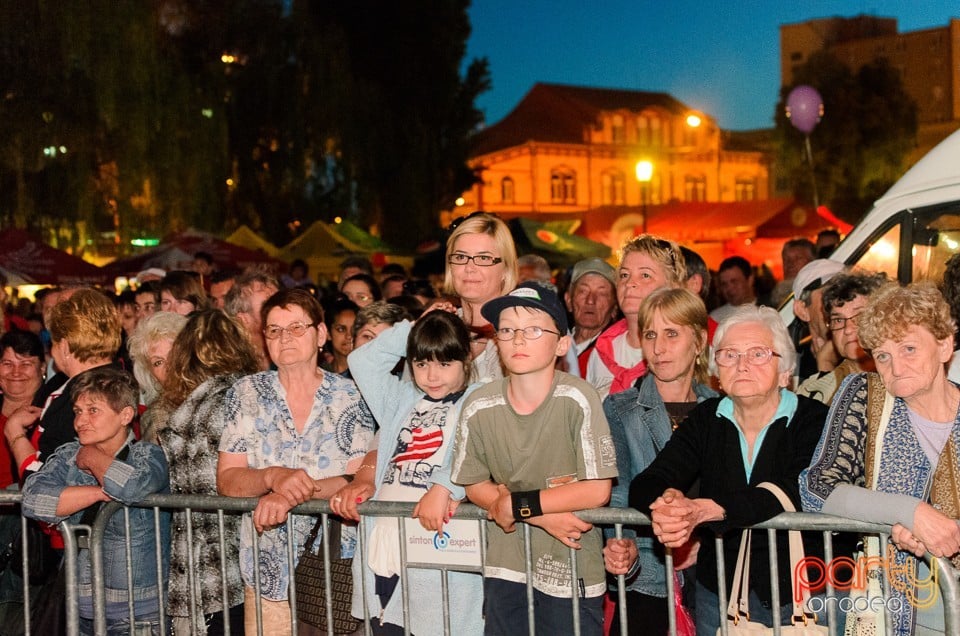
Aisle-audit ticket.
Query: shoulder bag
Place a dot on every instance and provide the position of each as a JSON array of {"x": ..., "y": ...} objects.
[
  {"x": 738, "y": 611},
  {"x": 311, "y": 583}
]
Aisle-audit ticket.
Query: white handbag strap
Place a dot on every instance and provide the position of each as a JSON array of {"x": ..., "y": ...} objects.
[
  {"x": 796, "y": 552},
  {"x": 740, "y": 589}
]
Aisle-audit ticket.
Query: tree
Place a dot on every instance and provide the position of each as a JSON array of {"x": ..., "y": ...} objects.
[{"x": 860, "y": 146}]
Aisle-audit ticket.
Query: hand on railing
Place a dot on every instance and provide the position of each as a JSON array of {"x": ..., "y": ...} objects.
[
  {"x": 619, "y": 555},
  {"x": 345, "y": 502},
  {"x": 271, "y": 511},
  {"x": 435, "y": 508},
  {"x": 565, "y": 527},
  {"x": 938, "y": 532},
  {"x": 904, "y": 540}
]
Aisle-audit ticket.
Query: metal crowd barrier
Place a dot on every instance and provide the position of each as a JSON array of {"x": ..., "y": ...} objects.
[{"x": 949, "y": 587}]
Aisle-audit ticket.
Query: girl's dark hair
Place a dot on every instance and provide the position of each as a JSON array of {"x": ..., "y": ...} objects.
[
  {"x": 337, "y": 307},
  {"x": 370, "y": 282},
  {"x": 23, "y": 343},
  {"x": 441, "y": 336}
]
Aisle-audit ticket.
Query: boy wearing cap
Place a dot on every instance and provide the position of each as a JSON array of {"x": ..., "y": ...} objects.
[{"x": 534, "y": 447}]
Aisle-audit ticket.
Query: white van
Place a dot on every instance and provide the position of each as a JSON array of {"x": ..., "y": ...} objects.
[{"x": 915, "y": 227}]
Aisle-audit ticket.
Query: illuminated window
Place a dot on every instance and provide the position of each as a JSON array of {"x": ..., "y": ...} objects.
[
  {"x": 618, "y": 134},
  {"x": 612, "y": 186},
  {"x": 745, "y": 189},
  {"x": 643, "y": 130},
  {"x": 694, "y": 188},
  {"x": 507, "y": 194},
  {"x": 563, "y": 186},
  {"x": 656, "y": 132}
]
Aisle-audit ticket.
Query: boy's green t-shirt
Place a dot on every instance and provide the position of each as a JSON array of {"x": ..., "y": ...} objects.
[{"x": 565, "y": 439}]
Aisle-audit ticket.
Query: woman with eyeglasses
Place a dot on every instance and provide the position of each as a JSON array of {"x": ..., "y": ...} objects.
[
  {"x": 481, "y": 266},
  {"x": 290, "y": 435},
  {"x": 844, "y": 298},
  {"x": 759, "y": 432}
]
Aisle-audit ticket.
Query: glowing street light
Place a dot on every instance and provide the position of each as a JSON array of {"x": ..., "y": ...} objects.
[
  {"x": 644, "y": 176},
  {"x": 693, "y": 120}
]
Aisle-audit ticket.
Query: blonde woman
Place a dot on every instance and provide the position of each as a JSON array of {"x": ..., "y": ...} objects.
[
  {"x": 647, "y": 263},
  {"x": 481, "y": 266}
]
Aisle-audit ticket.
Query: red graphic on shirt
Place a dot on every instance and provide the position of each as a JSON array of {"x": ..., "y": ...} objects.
[{"x": 422, "y": 443}]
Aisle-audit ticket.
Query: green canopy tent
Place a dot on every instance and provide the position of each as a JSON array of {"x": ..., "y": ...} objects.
[
  {"x": 554, "y": 241},
  {"x": 359, "y": 237}
]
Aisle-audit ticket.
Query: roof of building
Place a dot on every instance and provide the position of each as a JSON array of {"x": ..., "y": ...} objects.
[{"x": 559, "y": 113}]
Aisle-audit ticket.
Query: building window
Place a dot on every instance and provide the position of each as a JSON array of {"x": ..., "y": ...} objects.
[
  {"x": 745, "y": 189},
  {"x": 612, "y": 186},
  {"x": 507, "y": 194},
  {"x": 643, "y": 130},
  {"x": 694, "y": 188},
  {"x": 563, "y": 186},
  {"x": 656, "y": 132},
  {"x": 618, "y": 134}
]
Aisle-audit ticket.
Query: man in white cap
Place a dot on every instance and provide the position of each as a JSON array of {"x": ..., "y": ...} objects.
[
  {"x": 808, "y": 308},
  {"x": 592, "y": 300}
]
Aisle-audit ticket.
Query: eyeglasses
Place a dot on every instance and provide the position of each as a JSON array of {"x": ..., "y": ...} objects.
[
  {"x": 507, "y": 334},
  {"x": 755, "y": 356},
  {"x": 295, "y": 329},
  {"x": 480, "y": 260},
  {"x": 839, "y": 323}
]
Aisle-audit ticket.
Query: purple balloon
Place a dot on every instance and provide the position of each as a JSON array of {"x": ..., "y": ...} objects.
[{"x": 804, "y": 108}]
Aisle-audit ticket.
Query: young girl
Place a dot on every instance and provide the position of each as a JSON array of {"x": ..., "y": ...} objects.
[{"x": 411, "y": 463}]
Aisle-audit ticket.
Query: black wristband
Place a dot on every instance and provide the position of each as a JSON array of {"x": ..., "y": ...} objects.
[{"x": 526, "y": 504}]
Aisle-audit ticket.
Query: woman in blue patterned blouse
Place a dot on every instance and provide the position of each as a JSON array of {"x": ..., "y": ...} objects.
[{"x": 293, "y": 434}]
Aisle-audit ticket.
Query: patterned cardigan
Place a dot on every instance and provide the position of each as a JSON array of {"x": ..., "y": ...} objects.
[
  {"x": 190, "y": 440},
  {"x": 854, "y": 434}
]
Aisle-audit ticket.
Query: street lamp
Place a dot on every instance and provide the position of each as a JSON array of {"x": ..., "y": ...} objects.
[{"x": 644, "y": 175}]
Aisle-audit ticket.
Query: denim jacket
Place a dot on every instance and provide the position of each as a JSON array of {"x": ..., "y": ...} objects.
[
  {"x": 641, "y": 427},
  {"x": 142, "y": 473}
]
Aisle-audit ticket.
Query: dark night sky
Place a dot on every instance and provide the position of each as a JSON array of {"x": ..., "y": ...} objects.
[{"x": 722, "y": 56}]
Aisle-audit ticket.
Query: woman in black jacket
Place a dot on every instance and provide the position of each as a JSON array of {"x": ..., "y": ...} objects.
[{"x": 760, "y": 432}]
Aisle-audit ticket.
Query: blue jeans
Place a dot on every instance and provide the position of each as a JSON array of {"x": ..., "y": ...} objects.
[
  {"x": 505, "y": 611},
  {"x": 148, "y": 625}
]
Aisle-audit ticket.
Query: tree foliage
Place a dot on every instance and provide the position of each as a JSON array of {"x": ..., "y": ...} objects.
[
  {"x": 860, "y": 146},
  {"x": 213, "y": 113}
]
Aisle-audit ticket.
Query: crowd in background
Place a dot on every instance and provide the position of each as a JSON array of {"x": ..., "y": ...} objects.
[{"x": 681, "y": 391}]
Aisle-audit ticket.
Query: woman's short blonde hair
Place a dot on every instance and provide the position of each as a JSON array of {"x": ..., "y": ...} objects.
[
  {"x": 163, "y": 325},
  {"x": 892, "y": 309},
  {"x": 682, "y": 307},
  {"x": 661, "y": 250},
  {"x": 89, "y": 323},
  {"x": 482, "y": 223}
]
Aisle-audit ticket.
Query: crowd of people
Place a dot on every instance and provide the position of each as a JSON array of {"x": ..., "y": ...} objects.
[{"x": 529, "y": 392}]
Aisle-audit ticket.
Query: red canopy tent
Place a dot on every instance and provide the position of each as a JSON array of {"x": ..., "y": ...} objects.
[
  {"x": 177, "y": 250},
  {"x": 26, "y": 260}
]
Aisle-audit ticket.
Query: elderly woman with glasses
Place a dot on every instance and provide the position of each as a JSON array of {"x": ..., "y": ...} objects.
[
  {"x": 759, "y": 432},
  {"x": 290, "y": 435}
]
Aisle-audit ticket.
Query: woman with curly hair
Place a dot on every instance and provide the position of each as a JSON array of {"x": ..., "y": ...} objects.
[
  {"x": 207, "y": 357},
  {"x": 890, "y": 451}
]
